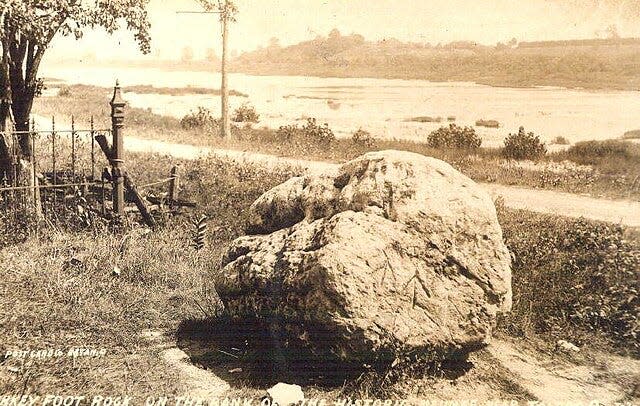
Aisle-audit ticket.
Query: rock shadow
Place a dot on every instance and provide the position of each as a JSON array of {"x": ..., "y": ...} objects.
[{"x": 255, "y": 354}]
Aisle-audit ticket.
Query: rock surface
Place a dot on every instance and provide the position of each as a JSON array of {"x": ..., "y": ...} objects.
[
  {"x": 396, "y": 251},
  {"x": 284, "y": 394}
]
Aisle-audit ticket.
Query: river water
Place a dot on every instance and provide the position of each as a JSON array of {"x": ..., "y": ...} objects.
[{"x": 382, "y": 106}]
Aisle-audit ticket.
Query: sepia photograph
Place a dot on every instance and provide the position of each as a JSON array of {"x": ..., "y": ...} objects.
[{"x": 319, "y": 202}]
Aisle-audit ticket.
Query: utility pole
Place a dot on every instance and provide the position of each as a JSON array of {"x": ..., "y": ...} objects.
[
  {"x": 224, "y": 86},
  {"x": 224, "y": 12}
]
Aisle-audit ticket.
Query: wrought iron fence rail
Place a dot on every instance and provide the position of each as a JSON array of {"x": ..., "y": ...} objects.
[
  {"x": 88, "y": 130},
  {"x": 58, "y": 186}
]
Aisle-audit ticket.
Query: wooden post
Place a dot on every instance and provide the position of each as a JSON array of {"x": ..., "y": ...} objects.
[
  {"x": 139, "y": 201},
  {"x": 174, "y": 184},
  {"x": 224, "y": 86},
  {"x": 117, "y": 161}
]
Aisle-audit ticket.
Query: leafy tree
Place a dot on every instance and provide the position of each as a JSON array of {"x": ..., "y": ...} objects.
[{"x": 27, "y": 28}]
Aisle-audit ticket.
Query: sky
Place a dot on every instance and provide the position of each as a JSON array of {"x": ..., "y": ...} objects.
[{"x": 425, "y": 21}]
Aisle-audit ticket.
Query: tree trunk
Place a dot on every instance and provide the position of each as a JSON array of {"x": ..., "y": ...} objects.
[
  {"x": 6, "y": 153},
  {"x": 21, "y": 112}
]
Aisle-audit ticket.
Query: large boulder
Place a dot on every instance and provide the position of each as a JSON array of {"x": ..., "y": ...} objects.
[{"x": 395, "y": 251}]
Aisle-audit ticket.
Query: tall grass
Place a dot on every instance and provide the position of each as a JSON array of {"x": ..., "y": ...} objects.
[
  {"x": 573, "y": 279},
  {"x": 59, "y": 289}
]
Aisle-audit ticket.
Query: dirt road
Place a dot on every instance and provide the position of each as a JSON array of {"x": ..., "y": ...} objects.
[{"x": 543, "y": 201}]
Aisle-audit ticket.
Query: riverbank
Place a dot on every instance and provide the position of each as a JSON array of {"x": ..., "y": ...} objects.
[{"x": 597, "y": 172}]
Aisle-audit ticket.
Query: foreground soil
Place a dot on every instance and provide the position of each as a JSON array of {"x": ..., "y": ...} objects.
[{"x": 507, "y": 369}]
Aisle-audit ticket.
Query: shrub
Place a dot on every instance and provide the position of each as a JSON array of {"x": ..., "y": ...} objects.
[
  {"x": 590, "y": 152},
  {"x": 363, "y": 138},
  {"x": 454, "y": 137},
  {"x": 523, "y": 146},
  {"x": 287, "y": 132},
  {"x": 64, "y": 91},
  {"x": 311, "y": 132},
  {"x": 246, "y": 114},
  {"x": 321, "y": 133},
  {"x": 560, "y": 140},
  {"x": 201, "y": 119},
  {"x": 570, "y": 273},
  {"x": 631, "y": 135}
]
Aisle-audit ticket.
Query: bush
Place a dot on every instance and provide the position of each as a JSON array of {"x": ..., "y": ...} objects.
[
  {"x": 560, "y": 140},
  {"x": 523, "y": 146},
  {"x": 64, "y": 92},
  {"x": 246, "y": 114},
  {"x": 311, "y": 132},
  {"x": 454, "y": 137},
  {"x": 201, "y": 119},
  {"x": 631, "y": 135},
  {"x": 363, "y": 138},
  {"x": 572, "y": 278},
  {"x": 590, "y": 152},
  {"x": 321, "y": 133}
]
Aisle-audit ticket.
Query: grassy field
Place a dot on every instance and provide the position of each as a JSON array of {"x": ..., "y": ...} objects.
[
  {"x": 100, "y": 290},
  {"x": 610, "y": 170}
]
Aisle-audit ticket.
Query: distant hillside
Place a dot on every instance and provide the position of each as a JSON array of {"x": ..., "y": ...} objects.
[{"x": 593, "y": 64}]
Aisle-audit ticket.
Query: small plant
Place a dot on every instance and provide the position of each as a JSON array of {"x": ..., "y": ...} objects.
[
  {"x": 523, "y": 145},
  {"x": 246, "y": 114},
  {"x": 560, "y": 140},
  {"x": 363, "y": 138},
  {"x": 64, "y": 91},
  {"x": 201, "y": 119},
  {"x": 454, "y": 137},
  {"x": 199, "y": 233}
]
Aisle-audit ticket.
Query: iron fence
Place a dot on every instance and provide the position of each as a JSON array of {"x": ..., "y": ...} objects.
[{"x": 73, "y": 175}]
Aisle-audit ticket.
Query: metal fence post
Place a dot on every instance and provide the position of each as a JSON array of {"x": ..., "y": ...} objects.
[{"x": 117, "y": 161}]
